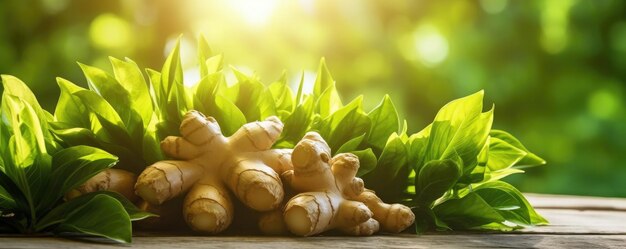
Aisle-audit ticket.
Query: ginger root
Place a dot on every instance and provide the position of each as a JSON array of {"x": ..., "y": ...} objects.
[
  {"x": 116, "y": 180},
  {"x": 209, "y": 163},
  {"x": 332, "y": 197}
]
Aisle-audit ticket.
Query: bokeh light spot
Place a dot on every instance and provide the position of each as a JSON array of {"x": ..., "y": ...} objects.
[
  {"x": 430, "y": 45},
  {"x": 493, "y": 6},
  {"x": 108, "y": 31},
  {"x": 603, "y": 104},
  {"x": 554, "y": 24}
]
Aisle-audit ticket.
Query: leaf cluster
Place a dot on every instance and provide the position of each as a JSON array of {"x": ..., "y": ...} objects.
[{"x": 36, "y": 171}]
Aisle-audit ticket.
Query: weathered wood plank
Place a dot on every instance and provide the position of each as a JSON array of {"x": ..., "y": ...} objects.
[
  {"x": 576, "y": 202},
  {"x": 404, "y": 241},
  {"x": 567, "y": 221}
]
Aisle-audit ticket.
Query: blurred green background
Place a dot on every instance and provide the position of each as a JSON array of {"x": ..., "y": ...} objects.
[{"x": 555, "y": 69}]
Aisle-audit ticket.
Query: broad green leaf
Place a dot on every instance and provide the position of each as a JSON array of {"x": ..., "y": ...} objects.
[
  {"x": 156, "y": 90},
  {"x": 107, "y": 86},
  {"x": 214, "y": 64},
  {"x": 228, "y": 115},
  {"x": 452, "y": 119},
  {"x": 324, "y": 80},
  {"x": 70, "y": 109},
  {"x": 426, "y": 219},
  {"x": 282, "y": 94},
  {"x": 110, "y": 127},
  {"x": 74, "y": 136},
  {"x": 207, "y": 89},
  {"x": 151, "y": 149},
  {"x": 22, "y": 200},
  {"x": 15, "y": 87},
  {"x": 391, "y": 167},
  {"x": 266, "y": 104},
  {"x": 529, "y": 160},
  {"x": 351, "y": 145},
  {"x": 502, "y": 194},
  {"x": 73, "y": 166},
  {"x": 502, "y": 154},
  {"x": 367, "y": 161},
  {"x": 417, "y": 144},
  {"x": 60, "y": 213},
  {"x": 129, "y": 76},
  {"x": 346, "y": 123},
  {"x": 434, "y": 179},
  {"x": 6, "y": 200},
  {"x": 178, "y": 103},
  {"x": 471, "y": 211},
  {"x": 384, "y": 122},
  {"x": 499, "y": 174},
  {"x": 329, "y": 101},
  {"x": 296, "y": 124},
  {"x": 250, "y": 97},
  {"x": 470, "y": 139},
  {"x": 102, "y": 216}
]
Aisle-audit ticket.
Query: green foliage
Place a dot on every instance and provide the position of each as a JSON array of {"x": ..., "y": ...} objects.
[
  {"x": 35, "y": 173},
  {"x": 459, "y": 162},
  {"x": 449, "y": 172},
  {"x": 123, "y": 113}
]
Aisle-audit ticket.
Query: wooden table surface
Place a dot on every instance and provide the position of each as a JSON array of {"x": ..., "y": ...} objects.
[{"x": 576, "y": 222}]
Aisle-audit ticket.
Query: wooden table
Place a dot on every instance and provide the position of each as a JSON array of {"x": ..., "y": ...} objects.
[{"x": 576, "y": 222}]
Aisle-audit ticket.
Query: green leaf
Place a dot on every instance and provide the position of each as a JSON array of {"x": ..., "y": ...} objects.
[
  {"x": 108, "y": 88},
  {"x": 391, "y": 168},
  {"x": 384, "y": 122},
  {"x": 60, "y": 213},
  {"x": 529, "y": 160},
  {"x": 299, "y": 91},
  {"x": 367, "y": 161},
  {"x": 460, "y": 128},
  {"x": 158, "y": 93},
  {"x": 282, "y": 94},
  {"x": 102, "y": 216},
  {"x": 351, "y": 145},
  {"x": 6, "y": 200},
  {"x": 70, "y": 109},
  {"x": 207, "y": 89},
  {"x": 328, "y": 102},
  {"x": 214, "y": 64},
  {"x": 251, "y": 97},
  {"x": 324, "y": 80},
  {"x": 296, "y": 124},
  {"x": 501, "y": 195},
  {"x": 15, "y": 87},
  {"x": 74, "y": 165},
  {"x": 204, "y": 52},
  {"x": 468, "y": 212},
  {"x": 228, "y": 115},
  {"x": 499, "y": 174},
  {"x": 502, "y": 154},
  {"x": 417, "y": 144},
  {"x": 172, "y": 71},
  {"x": 129, "y": 76},
  {"x": 435, "y": 179},
  {"x": 346, "y": 123}
]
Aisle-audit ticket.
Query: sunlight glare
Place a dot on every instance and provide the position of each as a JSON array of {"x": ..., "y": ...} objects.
[
  {"x": 254, "y": 12},
  {"x": 430, "y": 45}
]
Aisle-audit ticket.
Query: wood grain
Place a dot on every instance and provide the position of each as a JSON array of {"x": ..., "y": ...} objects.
[
  {"x": 392, "y": 241},
  {"x": 576, "y": 222}
]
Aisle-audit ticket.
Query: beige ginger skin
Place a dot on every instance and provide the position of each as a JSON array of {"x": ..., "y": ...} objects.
[
  {"x": 209, "y": 163},
  {"x": 332, "y": 197}
]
